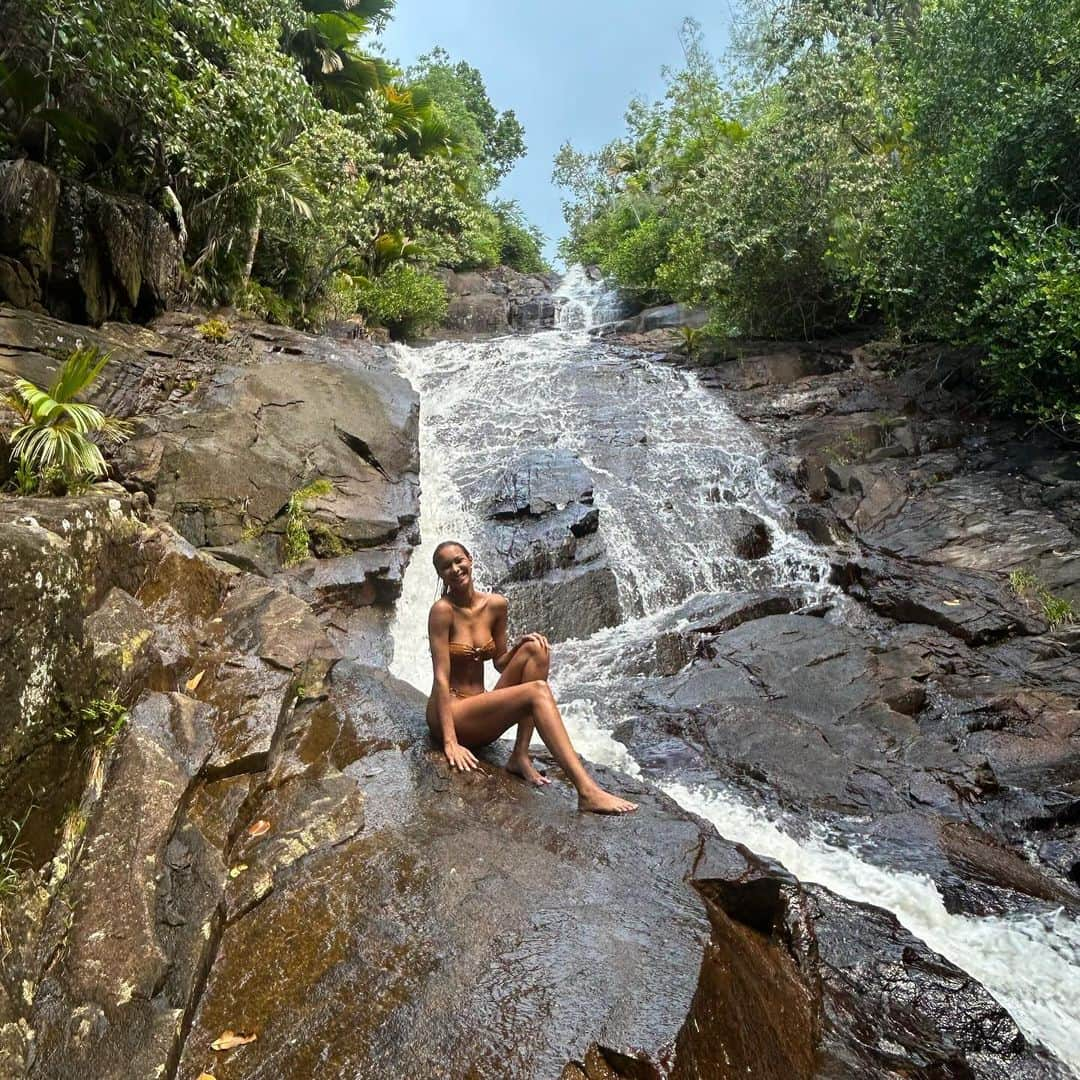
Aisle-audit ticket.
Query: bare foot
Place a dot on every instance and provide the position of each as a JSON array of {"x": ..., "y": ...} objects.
[
  {"x": 523, "y": 767},
  {"x": 603, "y": 802}
]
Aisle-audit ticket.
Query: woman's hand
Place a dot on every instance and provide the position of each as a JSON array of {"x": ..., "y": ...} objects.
[
  {"x": 540, "y": 640},
  {"x": 460, "y": 757}
]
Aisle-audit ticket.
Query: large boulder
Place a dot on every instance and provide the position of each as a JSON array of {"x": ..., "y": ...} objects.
[
  {"x": 81, "y": 253},
  {"x": 540, "y": 544},
  {"x": 353, "y": 889},
  {"x": 229, "y": 432},
  {"x": 225, "y": 466},
  {"x": 488, "y": 303}
]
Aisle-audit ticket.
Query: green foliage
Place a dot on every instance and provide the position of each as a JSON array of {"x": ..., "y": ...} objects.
[
  {"x": 13, "y": 861},
  {"x": 297, "y": 535},
  {"x": 405, "y": 300},
  {"x": 55, "y": 431},
  {"x": 502, "y": 237},
  {"x": 491, "y": 141},
  {"x": 691, "y": 340},
  {"x": 1027, "y": 315},
  {"x": 277, "y": 143},
  {"x": 850, "y": 161},
  {"x": 107, "y": 715},
  {"x": 326, "y": 542},
  {"x": 215, "y": 330},
  {"x": 1057, "y": 610}
]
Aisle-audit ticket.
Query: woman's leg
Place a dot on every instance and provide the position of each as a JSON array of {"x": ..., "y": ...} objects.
[
  {"x": 530, "y": 663},
  {"x": 482, "y": 719}
]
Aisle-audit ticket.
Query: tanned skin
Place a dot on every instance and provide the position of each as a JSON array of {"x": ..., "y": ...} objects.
[{"x": 473, "y": 718}]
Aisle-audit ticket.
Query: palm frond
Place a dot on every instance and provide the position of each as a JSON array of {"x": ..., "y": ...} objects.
[{"x": 77, "y": 372}]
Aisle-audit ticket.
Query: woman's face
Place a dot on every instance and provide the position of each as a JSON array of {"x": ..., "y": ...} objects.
[{"x": 455, "y": 567}]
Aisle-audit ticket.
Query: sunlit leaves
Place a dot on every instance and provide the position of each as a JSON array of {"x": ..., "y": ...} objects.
[{"x": 56, "y": 431}]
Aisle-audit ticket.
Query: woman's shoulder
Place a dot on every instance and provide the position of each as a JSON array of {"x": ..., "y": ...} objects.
[
  {"x": 441, "y": 611},
  {"x": 496, "y": 601}
]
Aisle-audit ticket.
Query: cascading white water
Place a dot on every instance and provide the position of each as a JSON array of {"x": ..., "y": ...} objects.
[
  {"x": 584, "y": 301},
  {"x": 665, "y": 455}
]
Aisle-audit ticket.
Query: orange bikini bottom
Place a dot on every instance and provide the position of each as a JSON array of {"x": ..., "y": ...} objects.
[{"x": 464, "y": 693}]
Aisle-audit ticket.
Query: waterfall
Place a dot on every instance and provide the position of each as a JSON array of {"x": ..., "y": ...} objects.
[{"x": 666, "y": 455}]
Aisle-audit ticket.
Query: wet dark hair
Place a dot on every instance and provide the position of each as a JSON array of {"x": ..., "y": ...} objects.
[{"x": 442, "y": 547}]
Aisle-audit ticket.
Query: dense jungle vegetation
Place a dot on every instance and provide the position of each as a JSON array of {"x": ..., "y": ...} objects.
[
  {"x": 310, "y": 178},
  {"x": 857, "y": 160}
]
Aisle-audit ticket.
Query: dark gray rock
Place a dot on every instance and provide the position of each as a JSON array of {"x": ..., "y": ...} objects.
[
  {"x": 971, "y": 606},
  {"x": 541, "y": 547},
  {"x": 487, "y": 303},
  {"x": 83, "y": 254}
]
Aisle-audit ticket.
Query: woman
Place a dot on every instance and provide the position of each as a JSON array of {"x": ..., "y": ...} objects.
[{"x": 466, "y": 628}]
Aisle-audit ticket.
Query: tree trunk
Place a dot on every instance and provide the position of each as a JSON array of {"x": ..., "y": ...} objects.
[{"x": 253, "y": 243}]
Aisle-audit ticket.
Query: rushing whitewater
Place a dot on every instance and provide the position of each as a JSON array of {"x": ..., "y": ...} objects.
[{"x": 665, "y": 454}]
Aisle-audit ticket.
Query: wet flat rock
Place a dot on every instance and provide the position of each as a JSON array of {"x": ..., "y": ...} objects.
[
  {"x": 474, "y": 927},
  {"x": 498, "y": 928},
  {"x": 908, "y": 742}
]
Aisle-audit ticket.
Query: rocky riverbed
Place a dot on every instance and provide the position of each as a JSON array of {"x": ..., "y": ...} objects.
[
  {"x": 943, "y": 703},
  {"x": 269, "y": 845}
]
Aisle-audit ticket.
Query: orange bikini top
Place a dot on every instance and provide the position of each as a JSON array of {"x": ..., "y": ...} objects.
[{"x": 474, "y": 652}]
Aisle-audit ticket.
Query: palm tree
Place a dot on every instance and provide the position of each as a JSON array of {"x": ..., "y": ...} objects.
[
  {"x": 341, "y": 73},
  {"x": 56, "y": 431}
]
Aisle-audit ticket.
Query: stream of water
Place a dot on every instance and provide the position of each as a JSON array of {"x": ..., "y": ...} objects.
[{"x": 664, "y": 454}]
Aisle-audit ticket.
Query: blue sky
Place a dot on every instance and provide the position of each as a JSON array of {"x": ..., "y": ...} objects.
[{"x": 568, "y": 69}]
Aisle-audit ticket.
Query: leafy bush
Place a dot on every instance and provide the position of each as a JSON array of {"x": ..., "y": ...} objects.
[
  {"x": 56, "y": 432},
  {"x": 215, "y": 330},
  {"x": 278, "y": 145},
  {"x": 520, "y": 245},
  {"x": 297, "y": 534},
  {"x": 1027, "y": 315},
  {"x": 405, "y": 300}
]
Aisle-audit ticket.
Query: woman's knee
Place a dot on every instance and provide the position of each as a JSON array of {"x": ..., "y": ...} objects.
[
  {"x": 539, "y": 692},
  {"x": 536, "y": 654}
]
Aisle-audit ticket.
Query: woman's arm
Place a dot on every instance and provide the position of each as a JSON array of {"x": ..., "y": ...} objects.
[
  {"x": 439, "y": 623},
  {"x": 503, "y": 655}
]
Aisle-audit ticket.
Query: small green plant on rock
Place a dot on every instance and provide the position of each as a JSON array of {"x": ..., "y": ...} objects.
[
  {"x": 1057, "y": 610},
  {"x": 215, "y": 330},
  {"x": 55, "y": 441},
  {"x": 327, "y": 543},
  {"x": 12, "y": 860},
  {"x": 297, "y": 525},
  {"x": 108, "y": 715},
  {"x": 691, "y": 341}
]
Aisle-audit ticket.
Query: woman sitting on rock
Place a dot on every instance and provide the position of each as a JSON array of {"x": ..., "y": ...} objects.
[{"x": 466, "y": 628}]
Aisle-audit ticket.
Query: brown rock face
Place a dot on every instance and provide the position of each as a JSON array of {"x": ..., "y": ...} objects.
[
  {"x": 492, "y": 302},
  {"x": 80, "y": 253},
  {"x": 364, "y": 913},
  {"x": 58, "y": 559},
  {"x": 228, "y": 433}
]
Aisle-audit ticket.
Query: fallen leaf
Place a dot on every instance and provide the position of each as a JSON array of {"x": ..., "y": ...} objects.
[
  {"x": 259, "y": 828},
  {"x": 207, "y": 1076},
  {"x": 229, "y": 1040},
  {"x": 193, "y": 683},
  {"x": 952, "y": 603},
  {"x": 237, "y": 870}
]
